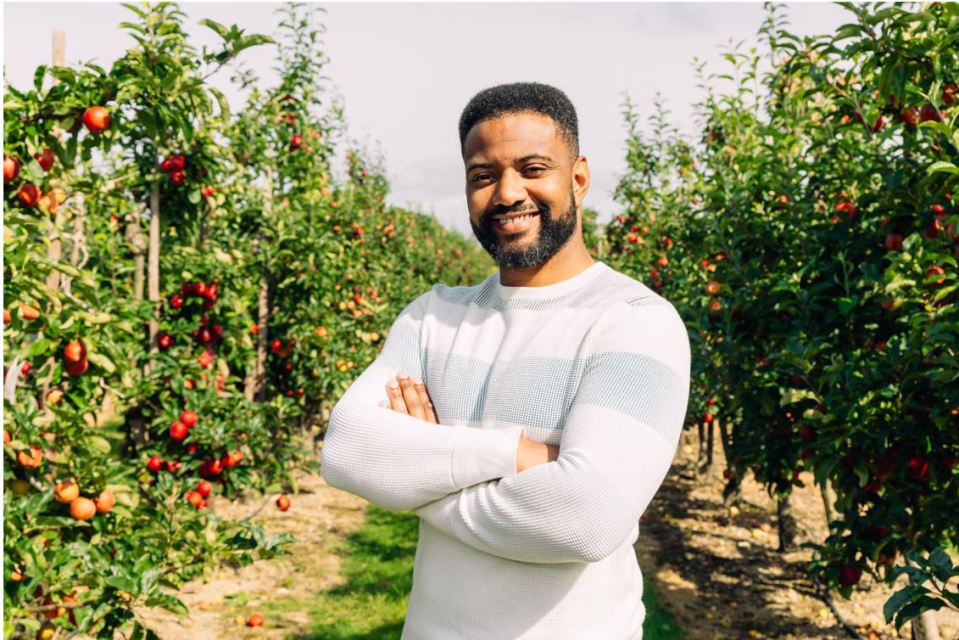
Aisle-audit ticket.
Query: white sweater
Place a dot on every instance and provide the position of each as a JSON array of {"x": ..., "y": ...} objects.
[{"x": 598, "y": 364}]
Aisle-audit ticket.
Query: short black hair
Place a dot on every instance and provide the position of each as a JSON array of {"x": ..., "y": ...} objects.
[{"x": 521, "y": 97}]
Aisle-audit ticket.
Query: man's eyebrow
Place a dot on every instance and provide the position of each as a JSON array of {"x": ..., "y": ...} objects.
[{"x": 489, "y": 165}]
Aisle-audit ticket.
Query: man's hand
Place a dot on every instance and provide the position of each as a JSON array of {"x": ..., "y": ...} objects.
[{"x": 409, "y": 396}]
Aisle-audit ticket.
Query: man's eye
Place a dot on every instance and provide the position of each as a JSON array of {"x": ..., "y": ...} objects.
[
  {"x": 536, "y": 169},
  {"x": 480, "y": 177}
]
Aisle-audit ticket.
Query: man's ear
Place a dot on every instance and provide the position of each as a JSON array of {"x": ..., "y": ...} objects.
[{"x": 580, "y": 178}]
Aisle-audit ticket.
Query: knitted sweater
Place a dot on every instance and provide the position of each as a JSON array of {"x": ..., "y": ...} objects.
[{"x": 598, "y": 364}]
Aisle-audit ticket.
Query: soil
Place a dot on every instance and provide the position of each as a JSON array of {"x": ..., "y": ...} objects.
[
  {"x": 320, "y": 517},
  {"x": 717, "y": 570}
]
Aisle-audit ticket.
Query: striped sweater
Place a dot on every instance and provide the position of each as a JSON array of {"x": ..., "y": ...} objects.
[{"x": 598, "y": 364}]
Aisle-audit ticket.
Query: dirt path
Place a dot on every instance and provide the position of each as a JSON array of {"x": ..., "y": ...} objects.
[
  {"x": 320, "y": 517},
  {"x": 717, "y": 573},
  {"x": 721, "y": 577}
]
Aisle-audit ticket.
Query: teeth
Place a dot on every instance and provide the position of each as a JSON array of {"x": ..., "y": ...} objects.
[{"x": 520, "y": 220}]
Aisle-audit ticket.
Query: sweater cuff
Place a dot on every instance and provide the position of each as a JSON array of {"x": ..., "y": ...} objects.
[{"x": 484, "y": 454}]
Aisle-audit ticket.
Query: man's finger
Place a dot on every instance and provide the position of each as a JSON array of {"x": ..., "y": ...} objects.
[
  {"x": 395, "y": 394},
  {"x": 420, "y": 387},
  {"x": 410, "y": 396}
]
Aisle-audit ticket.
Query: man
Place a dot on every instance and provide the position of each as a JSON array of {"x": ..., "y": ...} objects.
[{"x": 557, "y": 392}]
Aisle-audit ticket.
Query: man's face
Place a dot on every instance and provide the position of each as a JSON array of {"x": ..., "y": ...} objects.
[{"x": 514, "y": 163}]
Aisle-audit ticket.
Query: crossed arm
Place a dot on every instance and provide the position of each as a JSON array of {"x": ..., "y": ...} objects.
[
  {"x": 500, "y": 493},
  {"x": 409, "y": 396}
]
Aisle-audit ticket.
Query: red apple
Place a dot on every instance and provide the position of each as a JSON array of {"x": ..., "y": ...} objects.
[
  {"x": 296, "y": 141},
  {"x": 204, "y": 488},
  {"x": 178, "y": 178},
  {"x": 849, "y": 574},
  {"x": 894, "y": 242},
  {"x": 29, "y": 195},
  {"x": 96, "y": 119},
  {"x": 11, "y": 168},
  {"x": 918, "y": 468},
  {"x": 76, "y": 368},
  {"x": 75, "y": 351},
  {"x": 933, "y": 271},
  {"x": 178, "y": 430},
  {"x": 928, "y": 113},
  {"x": 207, "y": 191},
  {"x": 154, "y": 463},
  {"x": 164, "y": 340},
  {"x": 950, "y": 93},
  {"x": 909, "y": 116},
  {"x": 45, "y": 159},
  {"x": 189, "y": 419}
]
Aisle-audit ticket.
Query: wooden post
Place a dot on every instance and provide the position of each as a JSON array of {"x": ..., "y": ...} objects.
[
  {"x": 256, "y": 378},
  {"x": 54, "y": 249},
  {"x": 153, "y": 269}
]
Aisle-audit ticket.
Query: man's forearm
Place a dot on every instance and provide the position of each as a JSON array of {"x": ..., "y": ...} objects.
[{"x": 530, "y": 453}]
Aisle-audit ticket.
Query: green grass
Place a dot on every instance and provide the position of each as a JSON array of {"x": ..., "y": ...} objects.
[
  {"x": 378, "y": 569},
  {"x": 658, "y": 625}
]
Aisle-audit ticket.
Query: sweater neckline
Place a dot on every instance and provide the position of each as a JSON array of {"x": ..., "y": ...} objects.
[{"x": 556, "y": 289}]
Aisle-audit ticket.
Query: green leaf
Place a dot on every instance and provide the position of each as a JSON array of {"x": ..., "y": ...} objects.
[
  {"x": 792, "y": 396},
  {"x": 943, "y": 167},
  {"x": 124, "y": 584},
  {"x": 215, "y": 26},
  {"x": 37, "y": 347},
  {"x": 941, "y": 564},
  {"x": 900, "y": 599},
  {"x": 97, "y": 317},
  {"x": 167, "y": 602},
  {"x": 99, "y": 443},
  {"x": 102, "y": 361}
]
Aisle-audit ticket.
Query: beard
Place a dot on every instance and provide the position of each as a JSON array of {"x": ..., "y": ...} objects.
[{"x": 520, "y": 253}]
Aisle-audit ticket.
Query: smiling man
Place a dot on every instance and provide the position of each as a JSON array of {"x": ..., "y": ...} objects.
[{"x": 535, "y": 414}]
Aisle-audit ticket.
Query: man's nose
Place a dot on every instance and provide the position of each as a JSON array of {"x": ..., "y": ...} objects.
[{"x": 510, "y": 190}]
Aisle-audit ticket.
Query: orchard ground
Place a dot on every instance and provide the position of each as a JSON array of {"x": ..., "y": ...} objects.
[{"x": 717, "y": 573}]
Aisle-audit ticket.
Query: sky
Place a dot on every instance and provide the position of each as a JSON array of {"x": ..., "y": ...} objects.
[{"x": 404, "y": 71}]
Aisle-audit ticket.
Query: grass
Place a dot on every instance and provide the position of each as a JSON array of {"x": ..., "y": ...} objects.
[{"x": 378, "y": 569}]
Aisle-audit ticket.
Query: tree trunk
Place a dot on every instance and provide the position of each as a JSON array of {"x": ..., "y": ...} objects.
[
  {"x": 256, "y": 387},
  {"x": 138, "y": 246},
  {"x": 732, "y": 491},
  {"x": 710, "y": 438},
  {"x": 786, "y": 524},
  {"x": 263, "y": 316},
  {"x": 153, "y": 269},
  {"x": 924, "y": 626},
  {"x": 828, "y": 501},
  {"x": 700, "y": 465}
]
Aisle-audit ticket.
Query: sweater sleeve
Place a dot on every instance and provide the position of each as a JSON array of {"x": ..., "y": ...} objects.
[
  {"x": 395, "y": 460},
  {"x": 617, "y": 445}
]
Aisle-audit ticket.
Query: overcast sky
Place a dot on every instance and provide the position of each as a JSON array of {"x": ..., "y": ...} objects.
[{"x": 405, "y": 70}]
